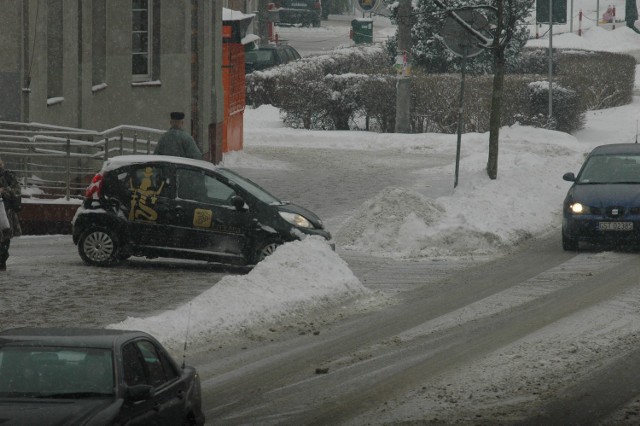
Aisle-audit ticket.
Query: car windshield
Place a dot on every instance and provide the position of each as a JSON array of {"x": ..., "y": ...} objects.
[
  {"x": 250, "y": 187},
  {"x": 55, "y": 372},
  {"x": 259, "y": 58},
  {"x": 618, "y": 168}
]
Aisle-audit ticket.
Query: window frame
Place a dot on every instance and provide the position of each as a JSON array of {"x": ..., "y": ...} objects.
[{"x": 149, "y": 30}]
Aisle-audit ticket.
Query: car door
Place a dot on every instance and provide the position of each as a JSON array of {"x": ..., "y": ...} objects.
[
  {"x": 208, "y": 220},
  {"x": 150, "y": 213},
  {"x": 146, "y": 364}
]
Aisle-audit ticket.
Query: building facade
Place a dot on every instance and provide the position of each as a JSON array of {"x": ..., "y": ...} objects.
[{"x": 98, "y": 64}]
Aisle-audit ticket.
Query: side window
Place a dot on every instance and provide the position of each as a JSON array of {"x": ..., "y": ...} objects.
[
  {"x": 293, "y": 53},
  {"x": 191, "y": 185},
  {"x": 217, "y": 191},
  {"x": 283, "y": 56},
  {"x": 133, "y": 366},
  {"x": 197, "y": 186},
  {"x": 152, "y": 362}
]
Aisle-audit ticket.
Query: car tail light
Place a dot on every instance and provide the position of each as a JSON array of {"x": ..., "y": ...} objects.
[
  {"x": 317, "y": 5},
  {"x": 95, "y": 189}
]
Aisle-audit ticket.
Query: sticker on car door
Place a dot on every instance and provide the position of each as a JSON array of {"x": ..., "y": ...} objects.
[
  {"x": 144, "y": 197},
  {"x": 202, "y": 218}
]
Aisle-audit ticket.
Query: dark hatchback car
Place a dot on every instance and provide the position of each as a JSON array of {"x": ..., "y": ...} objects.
[
  {"x": 603, "y": 204},
  {"x": 72, "y": 376},
  {"x": 269, "y": 56},
  {"x": 163, "y": 206}
]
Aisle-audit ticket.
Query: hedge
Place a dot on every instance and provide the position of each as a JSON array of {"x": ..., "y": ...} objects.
[{"x": 354, "y": 88}]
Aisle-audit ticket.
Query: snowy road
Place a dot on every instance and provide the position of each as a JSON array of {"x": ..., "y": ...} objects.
[{"x": 491, "y": 344}]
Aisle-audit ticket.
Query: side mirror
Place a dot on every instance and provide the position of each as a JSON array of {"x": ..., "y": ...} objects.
[
  {"x": 138, "y": 393},
  {"x": 238, "y": 202},
  {"x": 570, "y": 177}
]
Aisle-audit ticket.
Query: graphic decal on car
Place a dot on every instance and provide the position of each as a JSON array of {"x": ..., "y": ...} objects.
[
  {"x": 202, "y": 218},
  {"x": 143, "y": 197}
]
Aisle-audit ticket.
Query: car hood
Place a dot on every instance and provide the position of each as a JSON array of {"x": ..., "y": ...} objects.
[
  {"x": 311, "y": 216},
  {"x": 601, "y": 195},
  {"x": 58, "y": 412}
]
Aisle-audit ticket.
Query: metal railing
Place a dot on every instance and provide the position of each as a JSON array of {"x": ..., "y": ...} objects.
[{"x": 55, "y": 162}]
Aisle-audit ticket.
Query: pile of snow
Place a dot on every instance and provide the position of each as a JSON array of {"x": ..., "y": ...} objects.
[
  {"x": 299, "y": 275},
  {"x": 482, "y": 216}
]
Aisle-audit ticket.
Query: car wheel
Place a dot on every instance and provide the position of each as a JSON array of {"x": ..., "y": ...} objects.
[
  {"x": 568, "y": 243},
  {"x": 265, "y": 249},
  {"x": 98, "y": 247}
]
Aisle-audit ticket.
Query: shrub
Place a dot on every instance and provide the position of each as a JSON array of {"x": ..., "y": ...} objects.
[{"x": 336, "y": 91}]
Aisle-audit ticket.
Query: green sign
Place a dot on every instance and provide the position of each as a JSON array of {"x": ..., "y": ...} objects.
[{"x": 559, "y": 13}]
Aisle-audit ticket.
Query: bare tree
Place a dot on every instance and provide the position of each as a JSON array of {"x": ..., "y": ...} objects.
[{"x": 509, "y": 13}]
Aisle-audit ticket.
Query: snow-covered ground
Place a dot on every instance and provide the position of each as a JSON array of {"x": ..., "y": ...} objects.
[{"x": 481, "y": 217}]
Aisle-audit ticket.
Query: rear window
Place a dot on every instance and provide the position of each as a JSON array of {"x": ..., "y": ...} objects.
[
  {"x": 55, "y": 372},
  {"x": 259, "y": 58}
]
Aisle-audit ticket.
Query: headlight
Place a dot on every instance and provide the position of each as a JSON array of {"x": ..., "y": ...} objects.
[
  {"x": 577, "y": 208},
  {"x": 296, "y": 219}
]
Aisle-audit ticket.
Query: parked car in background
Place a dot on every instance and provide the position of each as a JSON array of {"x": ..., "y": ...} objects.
[
  {"x": 71, "y": 376},
  {"x": 603, "y": 204},
  {"x": 269, "y": 56},
  {"x": 304, "y": 12},
  {"x": 163, "y": 206}
]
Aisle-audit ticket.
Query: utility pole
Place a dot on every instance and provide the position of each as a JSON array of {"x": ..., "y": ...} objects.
[{"x": 403, "y": 86}]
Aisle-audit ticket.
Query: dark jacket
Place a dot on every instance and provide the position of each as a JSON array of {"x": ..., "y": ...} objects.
[
  {"x": 10, "y": 197},
  {"x": 178, "y": 143}
]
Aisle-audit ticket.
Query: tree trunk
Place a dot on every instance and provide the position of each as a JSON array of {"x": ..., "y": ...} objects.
[
  {"x": 495, "y": 119},
  {"x": 496, "y": 96}
]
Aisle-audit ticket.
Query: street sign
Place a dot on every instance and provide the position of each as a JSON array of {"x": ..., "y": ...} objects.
[
  {"x": 367, "y": 5},
  {"x": 559, "y": 13},
  {"x": 459, "y": 39}
]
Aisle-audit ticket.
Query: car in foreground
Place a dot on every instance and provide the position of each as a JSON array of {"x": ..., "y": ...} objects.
[
  {"x": 74, "y": 376},
  {"x": 603, "y": 204},
  {"x": 174, "y": 207},
  {"x": 269, "y": 56}
]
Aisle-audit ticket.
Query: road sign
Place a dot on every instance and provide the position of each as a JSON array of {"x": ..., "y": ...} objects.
[
  {"x": 457, "y": 35},
  {"x": 559, "y": 13},
  {"x": 367, "y": 5}
]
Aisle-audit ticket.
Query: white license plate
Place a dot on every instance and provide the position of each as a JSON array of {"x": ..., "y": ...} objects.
[{"x": 615, "y": 226}]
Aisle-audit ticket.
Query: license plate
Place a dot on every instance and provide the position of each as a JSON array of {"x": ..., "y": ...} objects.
[{"x": 615, "y": 226}]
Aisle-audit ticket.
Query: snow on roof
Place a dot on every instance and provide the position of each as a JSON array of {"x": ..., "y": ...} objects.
[{"x": 235, "y": 15}]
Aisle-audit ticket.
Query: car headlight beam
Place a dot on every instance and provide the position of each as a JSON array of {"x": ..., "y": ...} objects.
[
  {"x": 296, "y": 220},
  {"x": 579, "y": 208}
]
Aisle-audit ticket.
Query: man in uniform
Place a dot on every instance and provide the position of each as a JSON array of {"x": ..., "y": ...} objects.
[{"x": 176, "y": 141}]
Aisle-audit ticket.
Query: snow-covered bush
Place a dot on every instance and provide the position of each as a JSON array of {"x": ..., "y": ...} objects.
[
  {"x": 353, "y": 86},
  {"x": 564, "y": 107}
]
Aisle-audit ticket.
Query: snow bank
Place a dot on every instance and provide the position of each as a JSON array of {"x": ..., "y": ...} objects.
[{"x": 299, "y": 275}]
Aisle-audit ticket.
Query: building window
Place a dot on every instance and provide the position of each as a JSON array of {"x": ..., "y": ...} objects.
[
  {"x": 99, "y": 43},
  {"x": 141, "y": 40},
  {"x": 55, "y": 51}
]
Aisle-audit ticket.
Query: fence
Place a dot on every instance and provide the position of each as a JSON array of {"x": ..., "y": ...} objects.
[{"x": 55, "y": 162}]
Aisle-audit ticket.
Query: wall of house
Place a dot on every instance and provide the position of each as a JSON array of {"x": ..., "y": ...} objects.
[
  {"x": 11, "y": 60},
  {"x": 120, "y": 100}
]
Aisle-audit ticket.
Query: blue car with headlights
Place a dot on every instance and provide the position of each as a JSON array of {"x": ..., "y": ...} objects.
[
  {"x": 164, "y": 206},
  {"x": 603, "y": 204}
]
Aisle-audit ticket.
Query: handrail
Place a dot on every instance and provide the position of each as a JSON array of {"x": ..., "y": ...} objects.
[{"x": 66, "y": 158}]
